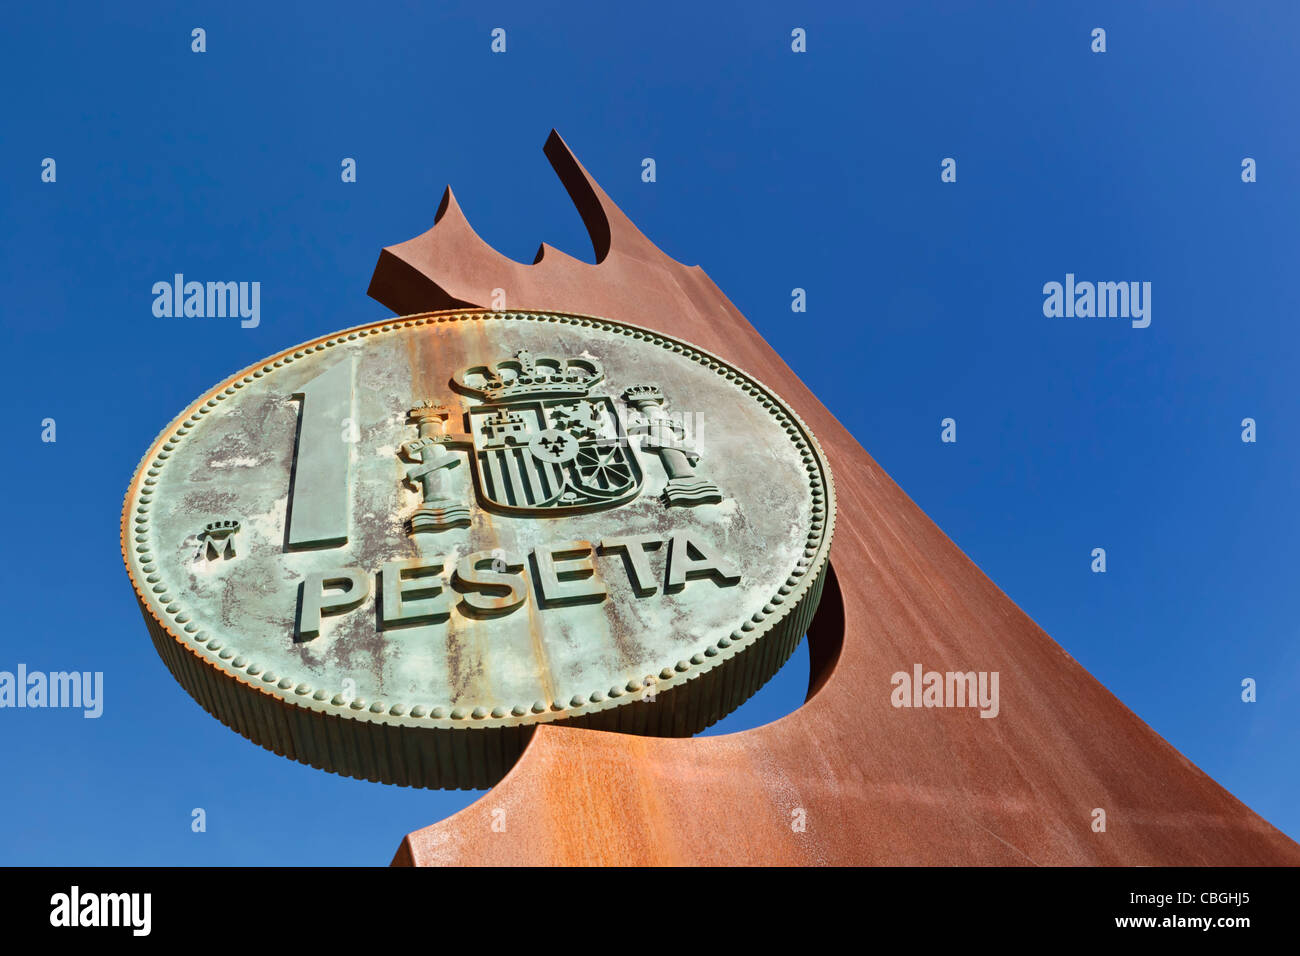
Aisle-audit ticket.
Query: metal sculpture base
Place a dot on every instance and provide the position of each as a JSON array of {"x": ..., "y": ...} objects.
[{"x": 847, "y": 778}]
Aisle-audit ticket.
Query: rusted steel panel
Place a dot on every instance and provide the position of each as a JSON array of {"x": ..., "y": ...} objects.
[{"x": 875, "y": 784}]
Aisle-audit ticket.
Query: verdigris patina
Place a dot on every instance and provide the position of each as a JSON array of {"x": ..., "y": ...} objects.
[{"x": 392, "y": 551}]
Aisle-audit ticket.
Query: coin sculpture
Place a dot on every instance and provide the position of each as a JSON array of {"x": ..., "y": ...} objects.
[{"x": 393, "y": 551}]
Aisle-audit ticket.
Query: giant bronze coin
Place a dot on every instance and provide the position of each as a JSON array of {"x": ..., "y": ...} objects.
[{"x": 393, "y": 551}]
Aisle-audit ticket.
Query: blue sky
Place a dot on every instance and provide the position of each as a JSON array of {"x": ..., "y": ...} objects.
[{"x": 775, "y": 170}]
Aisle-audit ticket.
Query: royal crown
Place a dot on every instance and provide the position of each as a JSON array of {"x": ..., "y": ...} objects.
[
  {"x": 524, "y": 376},
  {"x": 640, "y": 396}
]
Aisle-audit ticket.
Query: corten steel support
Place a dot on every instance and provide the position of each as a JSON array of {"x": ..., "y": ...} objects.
[{"x": 877, "y": 785}]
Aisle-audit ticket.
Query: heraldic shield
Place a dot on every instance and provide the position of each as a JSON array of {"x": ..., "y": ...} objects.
[
  {"x": 542, "y": 444},
  {"x": 558, "y": 454}
]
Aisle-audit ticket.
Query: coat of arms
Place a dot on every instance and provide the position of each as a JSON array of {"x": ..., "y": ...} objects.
[{"x": 541, "y": 444}]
